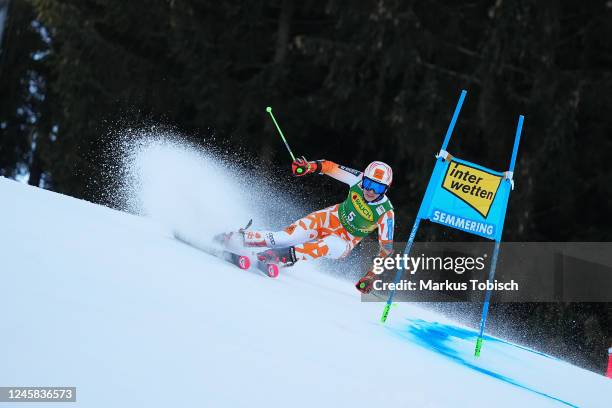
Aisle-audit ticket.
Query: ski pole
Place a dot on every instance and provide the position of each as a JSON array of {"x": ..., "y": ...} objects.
[{"x": 269, "y": 110}]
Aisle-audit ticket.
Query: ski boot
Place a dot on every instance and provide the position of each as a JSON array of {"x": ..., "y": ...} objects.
[
  {"x": 243, "y": 238},
  {"x": 234, "y": 240},
  {"x": 279, "y": 256},
  {"x": 270, "y": 260},
  {"x": 253, "y": 239}
]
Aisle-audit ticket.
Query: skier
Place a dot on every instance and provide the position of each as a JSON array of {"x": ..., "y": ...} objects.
[{"x": 333, "y": 231}]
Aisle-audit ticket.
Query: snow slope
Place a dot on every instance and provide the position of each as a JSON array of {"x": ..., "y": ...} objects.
[{"x": 111, "y": 303}]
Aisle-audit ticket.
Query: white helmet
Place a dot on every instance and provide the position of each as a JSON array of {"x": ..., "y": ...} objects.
[{"x": 379, "y": 172}]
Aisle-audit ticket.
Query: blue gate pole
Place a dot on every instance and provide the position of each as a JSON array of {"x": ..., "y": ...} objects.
[
  {"x": 415, "y": 227},
  {"x": 451, "y": 127},
  {"x": 398, "y": 274},
  {"x": 485, "y": 308},
  {"x": 517, "y": 140}
]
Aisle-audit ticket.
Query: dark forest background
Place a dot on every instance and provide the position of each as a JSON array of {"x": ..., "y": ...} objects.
[{"x": 351, "y": 82}]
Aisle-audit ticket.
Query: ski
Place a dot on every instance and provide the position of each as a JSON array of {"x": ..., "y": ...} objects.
[
  {"x": 242, "y": 261},
  {"x": 270, "y": 269}
]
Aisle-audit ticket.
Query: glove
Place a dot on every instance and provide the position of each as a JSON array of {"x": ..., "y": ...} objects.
[
  {"x": 301, "y": 167},
  {"x": 365, "y": 284}
]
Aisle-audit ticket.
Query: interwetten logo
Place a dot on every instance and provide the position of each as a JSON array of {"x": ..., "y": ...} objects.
[{"x": 474, "y": 186}]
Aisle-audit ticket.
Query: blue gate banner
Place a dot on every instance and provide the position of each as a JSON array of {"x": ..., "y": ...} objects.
[{"x": 467, "y": 197}]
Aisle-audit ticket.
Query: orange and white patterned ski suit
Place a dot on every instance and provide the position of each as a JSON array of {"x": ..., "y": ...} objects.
[{"x": 321, "y": 234}]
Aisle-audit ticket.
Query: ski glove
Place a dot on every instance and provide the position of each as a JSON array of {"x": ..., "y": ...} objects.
[
  {"x": 301, "y": 167},
  {"x": 365, "y": 284}
]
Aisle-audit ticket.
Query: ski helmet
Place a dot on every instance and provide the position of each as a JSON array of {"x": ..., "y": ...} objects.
[
  {"x": 377, "y": 177},
  {"x": 379, "y": 172}
]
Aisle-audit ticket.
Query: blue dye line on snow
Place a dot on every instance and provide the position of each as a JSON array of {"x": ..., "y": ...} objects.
[{"x": 435, "y": 336}]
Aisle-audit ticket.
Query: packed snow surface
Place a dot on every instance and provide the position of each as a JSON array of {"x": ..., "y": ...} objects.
[{"x": 112, "y": 303}]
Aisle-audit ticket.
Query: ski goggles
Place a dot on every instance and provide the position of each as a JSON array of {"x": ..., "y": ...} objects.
[{"x": 369, "y": 184}]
